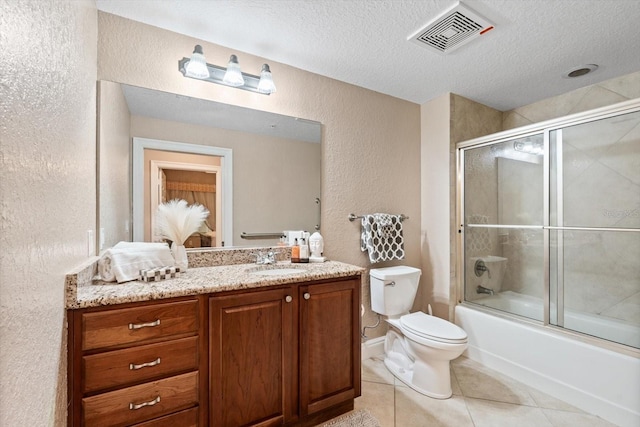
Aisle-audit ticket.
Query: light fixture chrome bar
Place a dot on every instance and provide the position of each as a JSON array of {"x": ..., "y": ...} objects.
[{"x": 216, "y": 75}]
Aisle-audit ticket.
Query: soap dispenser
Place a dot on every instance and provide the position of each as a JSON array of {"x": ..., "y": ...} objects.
[
  {"x": 304, "y": 251},
  {"x": 295, "y": 251}
]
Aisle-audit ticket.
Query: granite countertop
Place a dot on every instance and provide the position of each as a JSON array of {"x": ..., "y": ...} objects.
[{"x": 84, "y": 292}]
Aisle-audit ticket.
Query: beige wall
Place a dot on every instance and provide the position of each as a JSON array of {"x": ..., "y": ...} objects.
[
  {"x": 114, "y": 174},
  {"x": 47, "y": 185},
  {"x": 436, "y": 210},
  {"x": 370, "y": 145}
]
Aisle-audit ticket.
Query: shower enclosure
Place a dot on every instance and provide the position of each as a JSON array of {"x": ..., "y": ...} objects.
[{"x": 549, "y": 219}]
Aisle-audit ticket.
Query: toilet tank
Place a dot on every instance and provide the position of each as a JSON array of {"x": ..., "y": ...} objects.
[{"x": 393, "y": 289}]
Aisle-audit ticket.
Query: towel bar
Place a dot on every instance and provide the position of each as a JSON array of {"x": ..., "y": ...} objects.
[
  {"x": 353, "y": 217},
  {"x": 244, "y": 235}
]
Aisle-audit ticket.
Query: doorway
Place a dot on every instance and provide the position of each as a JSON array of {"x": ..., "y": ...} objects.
[
  {"x": 181, "y": 157},
  {"x": 194, "y": 183}
]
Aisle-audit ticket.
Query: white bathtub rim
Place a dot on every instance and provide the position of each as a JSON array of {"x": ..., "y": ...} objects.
[
  {"x": 581, "y": 399},
  {"x": 556, "y": 332}
]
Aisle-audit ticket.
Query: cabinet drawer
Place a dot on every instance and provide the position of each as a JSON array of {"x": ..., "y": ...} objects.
[
  {"x": 141, "y": 403},
  {"x": 134, "y": 365},
  {"x": 188, "y": 418},
  {"x": 130, "y": 325}
]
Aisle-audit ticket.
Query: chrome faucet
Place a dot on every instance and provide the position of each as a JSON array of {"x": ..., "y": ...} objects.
[
  {"x": 268, "y": 258},
  {"x": 483, "y": 290},
  {"x": 480, "y": 267}
]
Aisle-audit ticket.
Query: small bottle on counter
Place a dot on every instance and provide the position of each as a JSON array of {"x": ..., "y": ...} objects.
[
  {"x": 304, "y": 251},
  {"x": 295, "y": 251}
]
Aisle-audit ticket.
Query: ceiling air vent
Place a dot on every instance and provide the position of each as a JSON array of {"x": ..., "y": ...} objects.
[{"x": 453, "y": 28}]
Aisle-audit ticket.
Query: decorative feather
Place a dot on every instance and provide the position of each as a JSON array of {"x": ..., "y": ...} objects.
[{"x": 176, "y": 220}]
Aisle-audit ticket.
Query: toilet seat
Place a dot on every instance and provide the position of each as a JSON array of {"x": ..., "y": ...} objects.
[{"x": 432, "y": 328}]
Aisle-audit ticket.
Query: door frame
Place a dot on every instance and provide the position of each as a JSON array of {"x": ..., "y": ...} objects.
[
  {"x": 160, "y": 165},
  {"x": 226, "y": 175}
]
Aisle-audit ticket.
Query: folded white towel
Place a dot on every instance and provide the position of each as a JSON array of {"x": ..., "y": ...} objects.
[{"x": 124, "y": 261}]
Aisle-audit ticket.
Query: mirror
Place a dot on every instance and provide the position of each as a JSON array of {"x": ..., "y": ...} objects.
[{"x": 265, "y": 166}]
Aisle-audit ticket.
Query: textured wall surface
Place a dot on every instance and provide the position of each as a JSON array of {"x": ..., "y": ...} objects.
[
  {"x": 370, "y": 142},
  {"x": 47, "y": 184}
]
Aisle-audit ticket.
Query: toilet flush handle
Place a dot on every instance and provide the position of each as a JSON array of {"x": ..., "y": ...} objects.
[{"x": 391, "y": 283}]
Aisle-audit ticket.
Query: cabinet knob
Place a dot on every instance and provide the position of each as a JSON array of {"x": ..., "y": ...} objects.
[
  {"x": 306, "y": 295},
  {"x": 288, "y": 298}
]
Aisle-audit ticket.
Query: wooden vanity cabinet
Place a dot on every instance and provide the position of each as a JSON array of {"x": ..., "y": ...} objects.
[
  {"x": 252, "y": 360},
  {"x": 286, "y": 356},
  {"x": 329, "y": 322},
  {"x": 279, "y": 355},
  {"x": 138, "y": 364}
]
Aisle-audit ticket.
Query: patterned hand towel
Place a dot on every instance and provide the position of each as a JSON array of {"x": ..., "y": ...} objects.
[{"x": 382, "y": 237}]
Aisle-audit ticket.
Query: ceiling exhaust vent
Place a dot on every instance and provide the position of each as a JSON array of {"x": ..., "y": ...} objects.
[{"x": 455, "y": 27}]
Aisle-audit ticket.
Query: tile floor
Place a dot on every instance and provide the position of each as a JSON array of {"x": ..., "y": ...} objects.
[{"x": 481, "y": 397}]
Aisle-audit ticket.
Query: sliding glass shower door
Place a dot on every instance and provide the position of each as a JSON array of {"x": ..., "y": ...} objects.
[
  {"x": 594, "y": 225},
  {"x": 503, "y": 222},
  {"x": 550, "y": 220}
]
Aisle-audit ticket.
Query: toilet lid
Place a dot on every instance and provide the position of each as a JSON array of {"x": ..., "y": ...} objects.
[{"x": 432, "y": 327}]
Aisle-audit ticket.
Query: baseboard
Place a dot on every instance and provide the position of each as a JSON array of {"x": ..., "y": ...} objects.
[{"x": 372, "y": 347}]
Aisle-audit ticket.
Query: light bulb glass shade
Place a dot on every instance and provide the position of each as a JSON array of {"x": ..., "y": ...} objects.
[
  {"x": 197, "y": 65},
  {"x": 233, "y": 75},
  {"x": 266, "y": 84}
]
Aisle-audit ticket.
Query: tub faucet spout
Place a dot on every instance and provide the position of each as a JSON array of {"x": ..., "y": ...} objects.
[{"x": 483, "y": 290}]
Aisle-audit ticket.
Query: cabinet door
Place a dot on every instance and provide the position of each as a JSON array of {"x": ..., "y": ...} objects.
[
  {"x": 329, "y": 344},
  {"x": 251, "y": 358}
]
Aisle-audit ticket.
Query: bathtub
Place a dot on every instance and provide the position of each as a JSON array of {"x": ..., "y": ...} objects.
[
  {"x": 597, "y": 326},
  {"x": 599, "y": 381}
]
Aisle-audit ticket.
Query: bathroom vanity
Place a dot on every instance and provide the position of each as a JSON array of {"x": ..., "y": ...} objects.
[{"x": 218, "y": 346}]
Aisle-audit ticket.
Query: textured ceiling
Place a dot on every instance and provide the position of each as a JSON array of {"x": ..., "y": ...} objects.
[{"x": 364, "y": 42}]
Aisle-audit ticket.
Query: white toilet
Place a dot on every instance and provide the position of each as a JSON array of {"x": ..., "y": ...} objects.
[{"x": 418, "y": 347}]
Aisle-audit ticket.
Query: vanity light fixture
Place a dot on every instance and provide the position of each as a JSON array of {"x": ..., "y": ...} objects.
[{"x": 196, "y": 67}]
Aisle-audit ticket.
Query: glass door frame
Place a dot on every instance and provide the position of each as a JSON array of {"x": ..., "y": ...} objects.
[{"x": 545, "y": 127}]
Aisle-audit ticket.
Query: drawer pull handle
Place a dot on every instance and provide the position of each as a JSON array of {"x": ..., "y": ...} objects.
[
  {"x": 288, "y": 298},
  {"x": 134, "y": 367},
  {"x": 306, "y": 295},
  {"x": 135, "y": 406},
  {"x": 134, "y": 326}
]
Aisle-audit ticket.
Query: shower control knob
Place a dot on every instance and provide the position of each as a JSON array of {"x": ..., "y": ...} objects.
[
  {"x": 288, "y": 298},
  {"x": 306, "y": 295}
]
